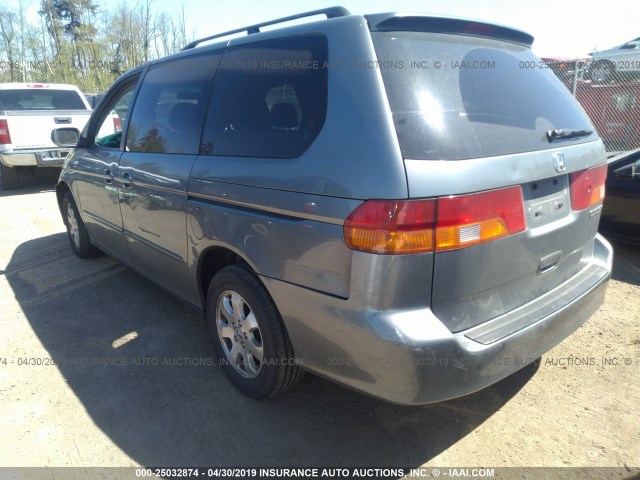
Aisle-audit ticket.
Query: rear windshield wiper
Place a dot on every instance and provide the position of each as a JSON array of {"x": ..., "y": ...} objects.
[{"x": 562, "y": 133}]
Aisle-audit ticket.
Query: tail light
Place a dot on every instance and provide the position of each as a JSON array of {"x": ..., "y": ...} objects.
[
  {"x": 117, "y": 124},
  {"x": 391, "y": 227},
  {"x": 587, "y": 187},
  {"x": 446, "y": 223},
  {"x": 5, "y": 137},
  {"x": 467, "y": 220}
]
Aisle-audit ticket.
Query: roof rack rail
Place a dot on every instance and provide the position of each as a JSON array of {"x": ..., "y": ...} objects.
[{"x": 331, "y": 12}]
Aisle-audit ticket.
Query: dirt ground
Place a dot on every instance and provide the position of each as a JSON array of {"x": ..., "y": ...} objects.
[{"x": 99, "y": 367}]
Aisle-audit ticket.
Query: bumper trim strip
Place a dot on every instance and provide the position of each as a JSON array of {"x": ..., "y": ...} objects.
[{"x": 505, "y": 325}]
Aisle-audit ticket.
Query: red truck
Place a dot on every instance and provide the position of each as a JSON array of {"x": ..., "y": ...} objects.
[{"x": 614, "y": 110}]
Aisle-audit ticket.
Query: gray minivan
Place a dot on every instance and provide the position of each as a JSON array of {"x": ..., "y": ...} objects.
[{"x": 404, "y": 204}]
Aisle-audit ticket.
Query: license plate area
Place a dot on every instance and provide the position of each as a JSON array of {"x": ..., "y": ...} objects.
[{"x": 546, "y": 200}]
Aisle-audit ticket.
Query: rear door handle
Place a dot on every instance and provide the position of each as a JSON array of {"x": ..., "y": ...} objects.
[
  {"x": 108, "y": 176},
  {"x": 127, "y": 180}
]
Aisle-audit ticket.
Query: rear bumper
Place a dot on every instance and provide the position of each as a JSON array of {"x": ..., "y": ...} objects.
[
  {"x": 34, "y": 158},
  {"x": 409, "y": 357}
]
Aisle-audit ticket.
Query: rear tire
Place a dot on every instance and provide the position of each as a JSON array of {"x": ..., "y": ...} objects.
[
  {"x": 76, "y": 230},
  {"x": 249, "y": 336},
  {"x": 8, "y": 177}
]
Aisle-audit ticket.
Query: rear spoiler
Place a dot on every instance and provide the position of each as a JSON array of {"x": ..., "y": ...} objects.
[{"x": 409, "y": 22}]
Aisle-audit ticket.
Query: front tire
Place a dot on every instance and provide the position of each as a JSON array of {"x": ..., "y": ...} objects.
[
  {"x": 249, "y": 336},
  {"x": 76, "y": 230}
]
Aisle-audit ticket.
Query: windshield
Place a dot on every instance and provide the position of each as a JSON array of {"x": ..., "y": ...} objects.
[
  {"x": 457, "y": 97},
  {"x": 45, "y": 99}
]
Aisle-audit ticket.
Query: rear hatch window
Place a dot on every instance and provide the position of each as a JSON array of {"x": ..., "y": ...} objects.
[
  {"x": 45, "y": 99},
  {"x": 456, "y": 97}
]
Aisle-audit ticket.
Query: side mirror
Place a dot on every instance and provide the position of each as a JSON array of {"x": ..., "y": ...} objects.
[{"x": 65, "y": 137}]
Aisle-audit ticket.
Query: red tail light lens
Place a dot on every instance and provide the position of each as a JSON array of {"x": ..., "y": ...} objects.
[
  {"x": 587, "y": 187},
  {"x": 467, "y": 220},
  {"x": 413, "y": 226},
  {"x": 117, "y": 124},
  {"x": 391, "y": 227},
  {"x": 5, "y": 137}
]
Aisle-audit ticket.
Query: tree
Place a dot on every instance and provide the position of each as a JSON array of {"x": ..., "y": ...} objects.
[
  {"x": 83, "y": 42},
  {"x": 53, "y": 23},
  {"x": 7, "y": 41}
]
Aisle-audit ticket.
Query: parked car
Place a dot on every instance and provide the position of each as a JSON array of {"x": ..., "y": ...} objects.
[
  {"x": 29, "y": 112},
  {"x": 621, "y": 210},
  {"x": 611, "y": 63},
  {"x": 93, "y": 98},
  {"x": 614, "y": 110},
  {"x": 413, "y": 233}
]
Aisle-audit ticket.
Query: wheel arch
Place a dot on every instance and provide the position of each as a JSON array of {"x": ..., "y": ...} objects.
[
  {"x": 61, "y": 189},
  {"x": 211, "y": 261}
]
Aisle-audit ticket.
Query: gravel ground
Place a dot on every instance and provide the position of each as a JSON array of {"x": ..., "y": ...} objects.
[{"x": 579, "y": 407}]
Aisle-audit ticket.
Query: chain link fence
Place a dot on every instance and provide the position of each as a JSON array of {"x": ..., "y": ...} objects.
[{"x": 609, "y": 91}]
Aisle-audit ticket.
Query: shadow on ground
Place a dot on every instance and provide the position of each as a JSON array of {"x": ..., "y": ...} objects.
[
  {"x": 626, "y": 263},
  {"x": 32, "y": 179},
  {"x": 172, "y": 408}
]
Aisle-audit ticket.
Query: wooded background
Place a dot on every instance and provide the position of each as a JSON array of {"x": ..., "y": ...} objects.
[{"x": 84, "y": 42}]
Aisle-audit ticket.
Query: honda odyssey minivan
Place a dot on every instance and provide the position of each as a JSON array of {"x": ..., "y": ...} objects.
[{"x": 395, "y": 202}]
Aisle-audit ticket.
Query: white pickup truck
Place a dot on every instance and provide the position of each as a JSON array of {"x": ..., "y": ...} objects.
[{"x": 29, "y": 113}]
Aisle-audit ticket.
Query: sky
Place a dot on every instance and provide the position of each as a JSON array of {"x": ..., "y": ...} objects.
[{"x": 562, "y": 28}]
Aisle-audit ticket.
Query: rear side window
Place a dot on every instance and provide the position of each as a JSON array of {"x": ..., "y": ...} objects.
[
  {"x": 270, "y": 99},
  {"x": 41, "y": 99},
  {"x": 170, "y": 107},
  {"x": 458, "y": 97}
]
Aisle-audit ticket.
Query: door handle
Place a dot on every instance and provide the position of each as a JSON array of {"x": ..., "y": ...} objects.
[
  {"x": 549, "y": 263},
  {"x": 127, "y": 180},
  {"x": 108, "y": 176}
]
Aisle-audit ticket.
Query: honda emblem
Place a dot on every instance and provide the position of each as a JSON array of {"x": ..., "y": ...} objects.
[{"x": 558, "y": 162}]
